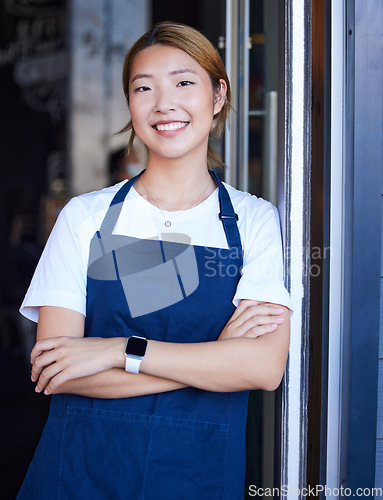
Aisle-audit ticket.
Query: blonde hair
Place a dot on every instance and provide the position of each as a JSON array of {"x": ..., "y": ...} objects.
[{"x": 198, "y": 47}]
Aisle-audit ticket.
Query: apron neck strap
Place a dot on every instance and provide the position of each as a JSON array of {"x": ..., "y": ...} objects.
[
  {"x": 115, "y": 207},
  {"x": 226, "y": 215}
]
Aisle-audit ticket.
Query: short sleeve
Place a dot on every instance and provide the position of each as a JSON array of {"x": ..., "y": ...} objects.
[
  {"x": 60, "y": 276},
  {"x": 262, "y": 272}
]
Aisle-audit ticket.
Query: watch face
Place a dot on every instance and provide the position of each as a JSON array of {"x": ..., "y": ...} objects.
[{"x": 136, "y": 346}]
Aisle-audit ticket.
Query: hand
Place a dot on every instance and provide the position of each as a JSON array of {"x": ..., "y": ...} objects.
[
  {"x": 59, "y": 359},
  {"x": 252, "y": 319}
]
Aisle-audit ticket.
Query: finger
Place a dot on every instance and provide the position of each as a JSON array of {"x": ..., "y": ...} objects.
[
  {"x": 245, "y": 303},
  {"x": 260, "y": 330},
  {"x": 257, "y": 311},
  {"x": 44, "y": 345},
  {"x": 45, "y": 359},
  {"x": 248, "y": 302},
  {"x": 256, "y": 322},
  {"x": 46, "y": 375},
  {"x": 262, "y": 320},
  {"x": 265, "y": 308},
  {"x": 253, "y": 332},
  {"x": 243, "y": 306},
  {"x": 56, "y": 381}
]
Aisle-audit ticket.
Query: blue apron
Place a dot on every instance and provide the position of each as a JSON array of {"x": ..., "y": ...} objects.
[{"x": 187, "y": 444}]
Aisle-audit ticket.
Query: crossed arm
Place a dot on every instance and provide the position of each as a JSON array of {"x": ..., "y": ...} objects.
[{"x": 250, "y": 353}]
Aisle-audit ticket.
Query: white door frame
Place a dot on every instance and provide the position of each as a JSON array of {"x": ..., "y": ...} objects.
[{"x": 296, "y": 207}]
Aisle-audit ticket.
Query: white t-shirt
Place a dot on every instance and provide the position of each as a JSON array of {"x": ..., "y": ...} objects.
[{"x": 61, "y": 275}]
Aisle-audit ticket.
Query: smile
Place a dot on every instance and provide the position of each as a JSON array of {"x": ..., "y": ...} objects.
[{"x": 162, "y": 127}]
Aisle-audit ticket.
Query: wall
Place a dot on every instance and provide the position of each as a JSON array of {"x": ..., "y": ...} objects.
[
  {"x": 101, "y": 32},
  {"x": 363, "y": 212}
]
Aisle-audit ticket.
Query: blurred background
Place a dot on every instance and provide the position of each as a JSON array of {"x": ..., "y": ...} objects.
[{"x": 61, "y": 106}]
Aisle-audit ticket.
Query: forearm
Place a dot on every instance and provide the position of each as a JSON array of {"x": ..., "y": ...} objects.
[
  {"x": 221, "y": 366},
  {"x": 117, "y": 383},
  {"x": 250, "y": 353}
]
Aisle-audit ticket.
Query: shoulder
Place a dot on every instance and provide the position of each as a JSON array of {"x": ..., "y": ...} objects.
[
  {"x": 94, "y": 201},
  {"x": 89, "y": 206},
  {"x": 251, "y": 208}
]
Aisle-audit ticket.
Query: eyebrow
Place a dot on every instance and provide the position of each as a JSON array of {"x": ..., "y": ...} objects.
[
  {"x": 172, "y": 73},
  {"x": 184, "y": 70}
]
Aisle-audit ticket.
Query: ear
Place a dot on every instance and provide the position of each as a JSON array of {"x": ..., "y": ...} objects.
[{"x": 220, "y": 96}]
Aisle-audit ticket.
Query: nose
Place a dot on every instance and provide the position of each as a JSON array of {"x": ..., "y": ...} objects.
[{"x": 165, "y": 101}]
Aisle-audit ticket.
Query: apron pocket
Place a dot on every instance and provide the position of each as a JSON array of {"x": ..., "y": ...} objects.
[
  {"x": 114, "y": 455},
  {"x": 187, "y": 459}
]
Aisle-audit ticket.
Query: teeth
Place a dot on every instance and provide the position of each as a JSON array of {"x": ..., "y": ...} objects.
[{"x": 170, "y": 126}]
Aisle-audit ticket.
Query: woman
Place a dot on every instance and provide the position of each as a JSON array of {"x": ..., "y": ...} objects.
[{"x": 160, "y": 303}]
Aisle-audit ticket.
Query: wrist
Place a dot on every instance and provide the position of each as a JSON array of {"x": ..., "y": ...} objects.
[{"x": 119, "y": 358}]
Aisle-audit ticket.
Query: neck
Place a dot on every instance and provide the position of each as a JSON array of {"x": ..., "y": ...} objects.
[{"x": 175, "y": 185}]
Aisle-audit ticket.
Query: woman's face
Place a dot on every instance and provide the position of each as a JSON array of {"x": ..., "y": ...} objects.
[{"x": 172, "y": 102}]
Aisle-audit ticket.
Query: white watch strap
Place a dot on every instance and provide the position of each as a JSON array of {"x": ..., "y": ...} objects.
[{"x": 132, "y": 364}]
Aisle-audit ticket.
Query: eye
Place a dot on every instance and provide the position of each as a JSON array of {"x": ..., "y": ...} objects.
[
  {"x": 141, "y": 89},
  {"x": 185, "y": 83}
]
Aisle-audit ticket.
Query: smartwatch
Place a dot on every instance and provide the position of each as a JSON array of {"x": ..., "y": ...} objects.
[{"x": 134, "y": 353}]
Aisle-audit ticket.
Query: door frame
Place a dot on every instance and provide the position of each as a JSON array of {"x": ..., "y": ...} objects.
[{"x": 293, "y": 201}]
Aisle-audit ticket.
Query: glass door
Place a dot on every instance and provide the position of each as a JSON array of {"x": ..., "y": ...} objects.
[
  {"x": 252, "y": 64},
  {"x": 252, "y": 46}
]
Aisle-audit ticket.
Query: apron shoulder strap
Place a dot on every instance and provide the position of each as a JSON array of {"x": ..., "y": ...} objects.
[{"x": 227, "y": 215}]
